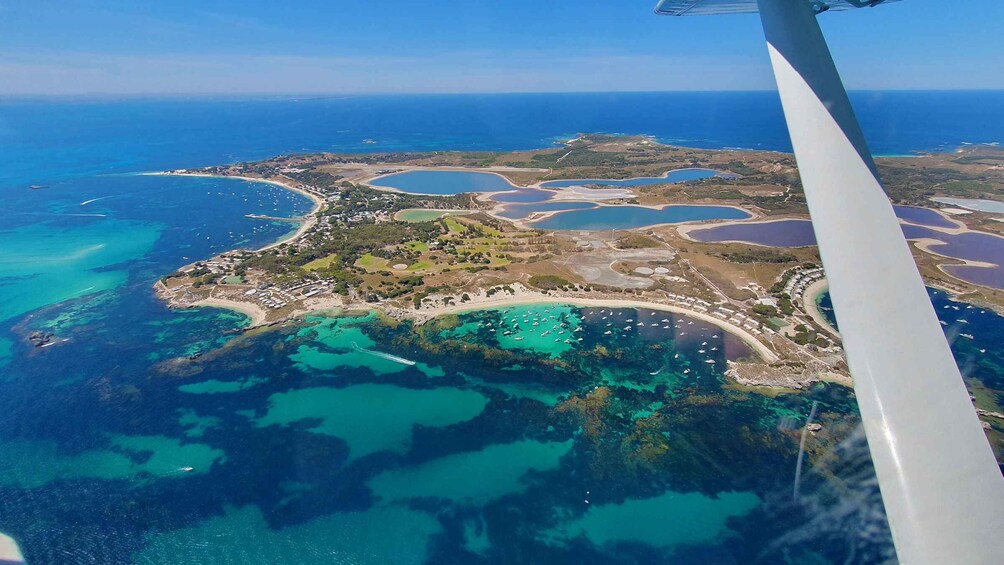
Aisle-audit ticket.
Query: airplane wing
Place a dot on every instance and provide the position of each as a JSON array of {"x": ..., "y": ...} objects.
[
  {"x": 712, "y": 7},
  {"x": 942, "y": 489}
]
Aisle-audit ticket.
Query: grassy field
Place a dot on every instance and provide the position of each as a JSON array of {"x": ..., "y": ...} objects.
[
  {"x": 419, "y": 246},
  {"x": 371, "y": 263},
  {"x": 322, "y": 263},
  {"x": 415, "y": 215}
]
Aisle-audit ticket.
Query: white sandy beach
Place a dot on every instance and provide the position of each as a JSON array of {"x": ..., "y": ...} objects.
[
  {"x": 809, "y": 296},
  {"x": 250, "y": 309}
]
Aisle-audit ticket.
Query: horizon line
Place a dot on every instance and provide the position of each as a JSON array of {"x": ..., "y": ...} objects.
[{"x": 317, "y": 95}]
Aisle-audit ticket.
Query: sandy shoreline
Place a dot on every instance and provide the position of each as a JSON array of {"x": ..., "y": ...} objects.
[
  {"x": 527, "y": 299},
  {"x": 251, "y": 310},
  {"x": 811, "y": 308},
  {"x": 524, "y": 297}
]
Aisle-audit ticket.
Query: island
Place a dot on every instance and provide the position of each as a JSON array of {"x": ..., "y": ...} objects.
[{"x": 599, "y": 221}]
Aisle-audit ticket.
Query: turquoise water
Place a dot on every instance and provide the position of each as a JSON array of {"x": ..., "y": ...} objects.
[
  {"x": 43, "y": 264},
  {"x": 670, "y": 176},
  {"x": 392, "y": 534},
  {"x": 372, "y": 417},
  {"x": 487, "y": 446},
  {"x": 444, "y": 182},
  {"x": 699, "y": 519},
  {"x": 627, "y": 217}
]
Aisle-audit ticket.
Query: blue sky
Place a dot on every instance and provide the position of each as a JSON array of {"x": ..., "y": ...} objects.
[{"x": 391, "y": 46}]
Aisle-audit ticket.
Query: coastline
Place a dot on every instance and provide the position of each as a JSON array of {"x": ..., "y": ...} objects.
[
  {"x": 256, "y": 313},
  {"x": 307, "y": 221},
  {"x": 809, "y": 303},
  {"x": 524, "y": 299}
]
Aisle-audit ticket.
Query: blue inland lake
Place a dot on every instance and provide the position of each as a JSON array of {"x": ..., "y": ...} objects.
[
  {"x": 444, "y": 182},
  {"x": 670, "y": 177},
  {"x": 627, "y": 217},
  {"x": 974, "y": 246},
  {"x": 149, "y": 435},
  {"x": 777, "y": 233},
  {"x": 524, "y": 195},
  {"x": 923, "y": 217},
  {"x": 520, "y": 211}
]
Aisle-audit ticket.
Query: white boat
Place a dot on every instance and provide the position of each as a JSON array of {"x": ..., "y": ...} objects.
[{"x": 386, "y": 356}]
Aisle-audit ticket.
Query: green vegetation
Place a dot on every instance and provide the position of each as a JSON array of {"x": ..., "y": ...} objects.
[
  {"x": 322, "y": 263},
  {"x": 371, "y": 262},
  {"x": 415, "y": 215},
  {"x": 784, "y": 305},
  {"x": 758, "y": 256},
  {"x": 637, "y": 241},
  {"x": 548, "y": 282}
]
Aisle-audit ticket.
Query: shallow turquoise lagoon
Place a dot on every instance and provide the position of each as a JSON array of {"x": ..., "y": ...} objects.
[
  {"x": 373, "y": 417},
  {"x": 41, "y": 264}
]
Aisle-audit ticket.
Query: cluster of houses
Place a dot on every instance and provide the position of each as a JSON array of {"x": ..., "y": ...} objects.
[
  {"x": 732, "y": 316},
  {"x": 801, "y": 280},
  {"x": 276, "y": 297},
  {"x": 268, "y": 298},
  {"x": 222, "y": 264}
]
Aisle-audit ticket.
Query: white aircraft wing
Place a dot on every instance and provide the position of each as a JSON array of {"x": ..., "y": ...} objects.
[
  {"x": 712, "y": 7},
  {"x": 941, "y": 486}
]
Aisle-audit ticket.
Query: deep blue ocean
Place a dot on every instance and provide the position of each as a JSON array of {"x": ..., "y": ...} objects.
[{"x": 94, "y": 430}]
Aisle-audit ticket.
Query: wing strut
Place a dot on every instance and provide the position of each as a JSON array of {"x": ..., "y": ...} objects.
[{"x": 942, "y": 488}]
